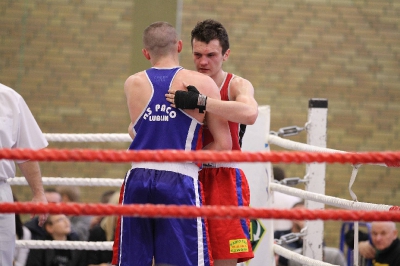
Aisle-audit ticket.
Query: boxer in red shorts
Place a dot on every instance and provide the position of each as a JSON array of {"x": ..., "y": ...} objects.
[{"x": 223, "y": 184}]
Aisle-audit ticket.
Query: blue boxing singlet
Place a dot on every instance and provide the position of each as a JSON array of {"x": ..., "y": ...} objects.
[{"x": 161, "y": 126}]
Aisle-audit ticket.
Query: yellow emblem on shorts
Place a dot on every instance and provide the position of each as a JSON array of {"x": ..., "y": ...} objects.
[{"x": 238, "y": 245}]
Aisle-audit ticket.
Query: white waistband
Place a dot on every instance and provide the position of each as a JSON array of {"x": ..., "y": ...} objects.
[
  {"x": 220, "y": 165},
  {"x": 189, "y": 169}
]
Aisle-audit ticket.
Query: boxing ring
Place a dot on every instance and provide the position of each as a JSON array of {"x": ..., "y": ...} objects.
[{"x": 255, "y": 159}]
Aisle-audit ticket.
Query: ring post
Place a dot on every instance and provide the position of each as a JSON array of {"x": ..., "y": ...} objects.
[
  {"x": 258, "y": 175},
  {"x": 316, "y": 136}
]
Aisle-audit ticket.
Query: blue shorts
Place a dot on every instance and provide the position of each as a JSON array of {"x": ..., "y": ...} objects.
[{"x": 170, "y": 241}]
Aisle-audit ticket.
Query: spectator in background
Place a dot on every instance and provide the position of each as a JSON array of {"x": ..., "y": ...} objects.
[
  {"x": 23, "y": 233},
  {"x": 69, "y": 193},
  {"x": 57, "y": 227},
  {"x": 329, "y": 254},
  {"x": 282, "y": 201},
  {"x": 103, "y": 232},
  {"x": 385, "y": 247},
  {"x": 18, "y": 129},
  {"x": 38, "y": 232},
  {"x": 52, "y": 195},
  {"x": 296, "y": 228},
  {"x": 105, "y": 198},
  {"x": 80, "y": 224}
]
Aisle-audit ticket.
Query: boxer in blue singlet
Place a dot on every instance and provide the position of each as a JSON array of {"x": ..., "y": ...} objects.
[{"x": 157, "y": 126}]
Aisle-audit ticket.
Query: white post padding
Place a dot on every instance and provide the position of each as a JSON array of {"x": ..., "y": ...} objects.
[
  {"x": 316, "y": 135},
  {"x": 258, "y": 174}
]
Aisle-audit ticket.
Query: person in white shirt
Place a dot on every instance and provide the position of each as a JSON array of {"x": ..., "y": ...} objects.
[{"x": 18, "y": 129}]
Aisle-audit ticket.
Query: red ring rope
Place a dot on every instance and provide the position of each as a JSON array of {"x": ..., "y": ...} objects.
[
  {"x": 86, "y": 155},
  {"x": 183, "y": 211}
]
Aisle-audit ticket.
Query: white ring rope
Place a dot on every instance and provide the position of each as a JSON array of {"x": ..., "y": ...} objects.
[
  {"x": 329, "y": 200},
  {"x": 108, "y": 137},
  {"x": 293, "y": 145},
  {"x": 291, "y": 255},
  {"x": 55, "y": 244},
  {"x": 71, "y": 181},
  {"x": 107, "y": 245}
]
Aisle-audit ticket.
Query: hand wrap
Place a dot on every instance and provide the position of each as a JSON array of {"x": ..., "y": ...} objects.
[{"x": 190, "y": 99}]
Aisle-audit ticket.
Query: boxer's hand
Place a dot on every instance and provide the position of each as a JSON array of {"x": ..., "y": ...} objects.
[{"x": 190, "y": 99}]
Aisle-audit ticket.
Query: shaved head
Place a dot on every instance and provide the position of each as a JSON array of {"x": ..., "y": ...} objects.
[{"x": 160, "y": 38}]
